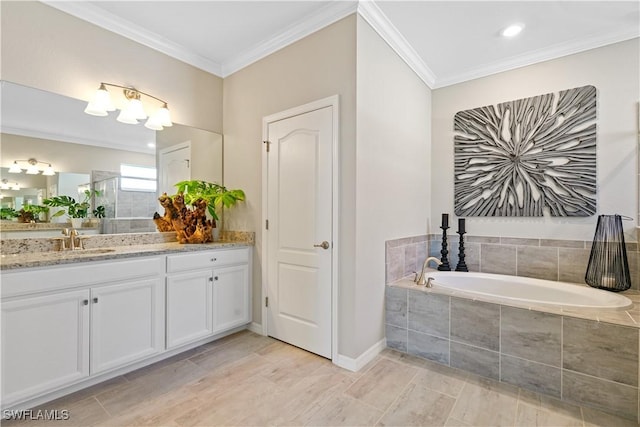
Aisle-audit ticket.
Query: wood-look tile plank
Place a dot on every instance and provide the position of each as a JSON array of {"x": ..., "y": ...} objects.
[
  {"x": 343, "y": 410},
  {"x": 534, "y": 416},
  {"x": 381, "y": 384},
  {"x": 418, "y": 406},
  {"x": 486, "y": 402}
]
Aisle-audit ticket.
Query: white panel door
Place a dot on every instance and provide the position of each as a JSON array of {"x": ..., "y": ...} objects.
[
  {"x": 299, "y": 236},
  {"x": 189, "y": 307},
  {"x": 174, "y": 165},
  {"x": 127, "y": 323},
  {"x": 45, "y": 343}
]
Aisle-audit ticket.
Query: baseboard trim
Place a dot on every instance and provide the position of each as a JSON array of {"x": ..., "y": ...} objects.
[
  {"x": 354, "y": 365},
  {"x": 256, "y": 327}
]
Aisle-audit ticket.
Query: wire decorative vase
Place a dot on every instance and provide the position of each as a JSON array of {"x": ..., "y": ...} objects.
[{"x": 608, "y": 266}]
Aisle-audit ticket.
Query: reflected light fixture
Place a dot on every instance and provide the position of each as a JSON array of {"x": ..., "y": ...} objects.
[
  {"x": 4, "y": 185},
  {"x": 31, "y": 167},
  {"x": 101, "y": 104}
]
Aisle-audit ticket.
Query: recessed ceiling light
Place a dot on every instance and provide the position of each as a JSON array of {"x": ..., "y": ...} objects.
[
  {"x": 151, "y": 145},
  {"x": 512, "y": 30}
]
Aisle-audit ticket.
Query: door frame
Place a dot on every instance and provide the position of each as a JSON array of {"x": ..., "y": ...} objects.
[{"x": 331, "y": 101}]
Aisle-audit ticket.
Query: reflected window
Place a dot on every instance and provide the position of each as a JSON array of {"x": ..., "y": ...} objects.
[{"x": 138, "y": 178}]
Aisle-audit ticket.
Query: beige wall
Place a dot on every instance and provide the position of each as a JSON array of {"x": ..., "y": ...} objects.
[
  {"x": 318, "y": 66},
  {"x": 50, "y": 50},
  {"x": 393, "y": 177},
  {"x": 614, "y": 71},
  {"x": 68, "y": 157}
]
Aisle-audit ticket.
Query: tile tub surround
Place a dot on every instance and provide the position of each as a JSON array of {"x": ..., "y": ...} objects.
[
  {"x": 577, "y": 360},
  {"x": 404, "y": 256},
  {"x": 550, "y": 259}
]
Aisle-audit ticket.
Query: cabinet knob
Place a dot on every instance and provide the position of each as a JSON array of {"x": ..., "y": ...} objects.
[
  {"x": 95, "y": 300},
  {"x": 211, "y": 279},
  {"x": 215, "y": 278},
  {"x": 214, "y": 259},
  {"x": 85, "y": 302}
]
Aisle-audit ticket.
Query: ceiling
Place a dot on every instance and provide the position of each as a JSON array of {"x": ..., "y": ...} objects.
[{"x": 445, "y": 42}]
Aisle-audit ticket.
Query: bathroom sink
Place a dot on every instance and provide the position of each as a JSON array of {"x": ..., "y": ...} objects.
[
  {"x": 94, "y": 251},
  {"x": 57, "y": 254}
]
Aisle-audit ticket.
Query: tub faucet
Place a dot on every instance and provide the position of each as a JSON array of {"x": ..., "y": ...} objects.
[{"x": 422, "y": 280}]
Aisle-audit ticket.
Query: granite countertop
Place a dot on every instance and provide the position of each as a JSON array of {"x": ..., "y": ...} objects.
[
  {"x": 50, "y": 258},
  {"x": 44, "y": 252},
  {"x": 623, "y": 316}
]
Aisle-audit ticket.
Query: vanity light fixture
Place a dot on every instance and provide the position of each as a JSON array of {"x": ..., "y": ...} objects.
[
  {"x": 512, "y": 30},
  {"x": 32, "y": 167},
  {"x": 133, "y": 111}
]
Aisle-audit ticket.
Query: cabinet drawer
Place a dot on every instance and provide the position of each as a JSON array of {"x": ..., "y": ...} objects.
[
  {"x": 77, "y": 275},
  {"x": 206, "y": 259}
]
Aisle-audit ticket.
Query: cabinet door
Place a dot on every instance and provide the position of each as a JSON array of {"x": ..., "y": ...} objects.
[
  {"x": 230, "y": 297},
  {"x": 45, "y": 343},
  {"x": 189, "y": 307},
  {"x": 127, "y": 323}
]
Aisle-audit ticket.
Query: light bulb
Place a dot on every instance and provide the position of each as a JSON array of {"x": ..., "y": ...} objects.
[
  {"x": 125, "y": 116},
  {"x": 48, "y": 171},
  {"x": 154, "y": 123},
  {"x": 101, "y": 103},
  {"x": 136, "y": 109},
  {"x": 15, "y": 168},
  {"x": 164, "y": 116}
]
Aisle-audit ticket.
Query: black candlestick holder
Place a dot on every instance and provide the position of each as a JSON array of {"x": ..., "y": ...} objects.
[
  {"x": 444, "y": 252},
  {"x": 462, "y": 266}
]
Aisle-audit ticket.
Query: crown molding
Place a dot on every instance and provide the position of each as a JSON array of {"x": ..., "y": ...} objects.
[
  {"x": 541, "y": 55},
  {"x": 326, "y": 16},
  {"x": 390, "y": 34},
  {"x": 115, "y": 24},
  {"x": 331, "y": 13}
]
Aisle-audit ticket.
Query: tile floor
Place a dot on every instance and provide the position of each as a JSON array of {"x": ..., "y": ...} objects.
[{"x": 249, "y": 380}]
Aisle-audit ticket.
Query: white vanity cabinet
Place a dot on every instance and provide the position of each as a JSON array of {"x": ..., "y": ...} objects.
[
  {"x": 127, "y": 323},
  {"x": 207, "y": 293},
  {"x": 45, "y": 343},
  {"x": 68, "y": 326},
  {"x": 64, "y": 323}
]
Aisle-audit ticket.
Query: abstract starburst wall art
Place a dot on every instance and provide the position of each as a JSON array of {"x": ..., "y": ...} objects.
[{"x": 527, "y": 157}]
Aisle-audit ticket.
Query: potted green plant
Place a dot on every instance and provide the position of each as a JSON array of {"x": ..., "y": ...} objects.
[
  {"x": 217, "y": 196},
  {"x": 76, "y": 211},
  {"x": 186, "y": 211}
]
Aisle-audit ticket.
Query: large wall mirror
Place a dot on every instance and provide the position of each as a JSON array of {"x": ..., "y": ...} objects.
[{"x": 129, "y": 164}]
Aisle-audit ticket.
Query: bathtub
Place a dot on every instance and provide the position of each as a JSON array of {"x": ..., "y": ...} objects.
[{"x": 501, "y": 288}]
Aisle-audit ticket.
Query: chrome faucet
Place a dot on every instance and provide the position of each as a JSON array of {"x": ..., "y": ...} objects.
[{"x": 427, "y": 281}]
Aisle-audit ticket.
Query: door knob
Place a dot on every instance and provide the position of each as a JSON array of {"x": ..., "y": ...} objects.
[{"x": 323, "y": 245}]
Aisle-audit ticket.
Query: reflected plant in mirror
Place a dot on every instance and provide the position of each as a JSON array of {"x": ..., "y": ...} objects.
[{"x": 76, "y": 209}]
